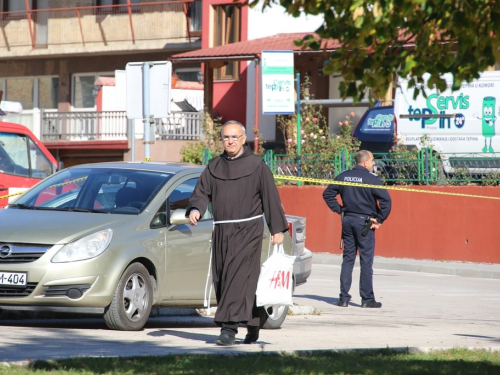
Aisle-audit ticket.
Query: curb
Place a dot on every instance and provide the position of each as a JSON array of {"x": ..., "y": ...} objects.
[{"x": 166, "y": 312}]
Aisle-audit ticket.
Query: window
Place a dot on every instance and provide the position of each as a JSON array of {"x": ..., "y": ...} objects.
[
  {"x": 116, "y": 9},
  {"x": 41, "y": 166},
  {"x": 14, "y": 154},
  {"x": 82, "y": 91},
  {"x": 194, "y": 14},
  {"x": 178, "y": 199},
  {"x": 227, "y": 30},
  {"x": 110, "y": 190},
  {"x": 20, "y": 90},
  {"x": 41, "y": 92},
  {"x": 48, "y": 92},
  {"x": 188, "y": 74},
  {"x": 15, "y": 159},
  {"x": 83, "y": 84},
  {"x": 17, "y": 6}
]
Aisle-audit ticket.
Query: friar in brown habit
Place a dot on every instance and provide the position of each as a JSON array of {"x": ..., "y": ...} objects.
[{"x": 241, "y": 188}]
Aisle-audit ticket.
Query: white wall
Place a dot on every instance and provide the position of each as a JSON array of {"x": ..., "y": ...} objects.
[{"x": 274, "y": 21}]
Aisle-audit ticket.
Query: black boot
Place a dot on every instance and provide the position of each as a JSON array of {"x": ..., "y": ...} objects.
[{"x": 252, "y": 335}]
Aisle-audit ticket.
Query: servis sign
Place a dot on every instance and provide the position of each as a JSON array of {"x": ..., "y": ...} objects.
[
  {"x": 278, "y": 95},
  {"x": 464, "y": 120}
]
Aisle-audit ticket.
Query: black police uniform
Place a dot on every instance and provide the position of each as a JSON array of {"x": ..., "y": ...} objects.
[{"x": 358, "y": 204}]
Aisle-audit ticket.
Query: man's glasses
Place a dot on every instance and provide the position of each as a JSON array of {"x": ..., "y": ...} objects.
[{"x": 233, "y": 138}]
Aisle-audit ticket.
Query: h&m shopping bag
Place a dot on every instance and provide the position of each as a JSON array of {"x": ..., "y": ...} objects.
[{"x": 276, "y": 279}]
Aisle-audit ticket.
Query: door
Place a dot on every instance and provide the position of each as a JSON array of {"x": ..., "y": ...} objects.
[
  {"x": 22, "y": 164},
  {"x": 187, "y": 250}
]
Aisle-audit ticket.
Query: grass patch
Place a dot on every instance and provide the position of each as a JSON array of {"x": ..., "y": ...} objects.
[{"x": 452, "y": 362}]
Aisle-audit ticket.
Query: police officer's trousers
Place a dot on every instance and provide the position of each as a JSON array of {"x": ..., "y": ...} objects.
[{"x": 352, "y": 227}]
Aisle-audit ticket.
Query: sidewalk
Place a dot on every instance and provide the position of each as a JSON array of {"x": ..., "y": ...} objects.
[
  {"x": 477, "y": 270},
  {"x": 421, "y": 311}
]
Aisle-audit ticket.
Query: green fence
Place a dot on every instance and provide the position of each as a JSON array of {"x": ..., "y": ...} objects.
[{"x": 423, "y": 167}]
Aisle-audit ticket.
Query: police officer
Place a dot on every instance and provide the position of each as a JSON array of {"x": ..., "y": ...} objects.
[{"x": 360, "y": 209}]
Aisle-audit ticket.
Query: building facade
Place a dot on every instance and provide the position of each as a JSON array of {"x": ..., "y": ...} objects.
[{"x": 53, "y": 52}]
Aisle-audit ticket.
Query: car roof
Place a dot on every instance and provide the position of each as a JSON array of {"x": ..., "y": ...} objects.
[{"x": 165, "y": 166}]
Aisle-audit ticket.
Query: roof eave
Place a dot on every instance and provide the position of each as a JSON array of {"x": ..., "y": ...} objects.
[
  {"x": 203, "y": 59},
  {"x": 254, "y": 56}
]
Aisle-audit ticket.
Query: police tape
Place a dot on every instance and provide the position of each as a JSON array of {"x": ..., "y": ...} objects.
[
  {"x": 321, "y": 181},
  {"x": 324, "y": 182},
  {"x": 11, "y": 195},
  {"x": 50, "y": 187}
]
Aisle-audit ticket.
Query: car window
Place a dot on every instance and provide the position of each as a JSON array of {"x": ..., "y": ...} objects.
[
  {"x": 107, "y": 190},
  {"x": 14, "y": 154},
  {"x": 181, "y": 194},
  {"x": 40, "y": 164},
  {"x": 178, "y": 199},
  {"x": 20, "y": 156}
]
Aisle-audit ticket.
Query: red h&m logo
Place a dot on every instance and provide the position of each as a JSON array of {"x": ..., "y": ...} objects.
[{"x": 280, "y": 279}]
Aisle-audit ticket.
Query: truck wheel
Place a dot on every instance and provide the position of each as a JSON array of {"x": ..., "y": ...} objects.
[
  {"x": 131, "y": 305},
  {"x": 274, "y": 317}
]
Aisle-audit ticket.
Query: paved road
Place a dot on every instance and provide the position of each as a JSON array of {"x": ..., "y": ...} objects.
[{"x": 420, "y": 310}]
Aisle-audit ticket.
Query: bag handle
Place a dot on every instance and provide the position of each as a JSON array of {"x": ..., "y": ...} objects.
[{"x": 278, "y": 249}]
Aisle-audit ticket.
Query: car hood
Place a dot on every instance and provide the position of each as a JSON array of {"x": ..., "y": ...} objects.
[{"x": 53, "y": 227}]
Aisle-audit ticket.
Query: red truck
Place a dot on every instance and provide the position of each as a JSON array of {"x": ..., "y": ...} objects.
[{"x": 24, "y": 161}]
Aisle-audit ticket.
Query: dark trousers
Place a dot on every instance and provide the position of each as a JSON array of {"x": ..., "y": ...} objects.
[{"x": 352, "y": 227}]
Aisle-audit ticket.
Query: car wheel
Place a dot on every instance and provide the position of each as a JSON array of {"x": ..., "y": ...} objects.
[
  {"x": 131, "y": 305},
  {"x": 273, "y": 316}
]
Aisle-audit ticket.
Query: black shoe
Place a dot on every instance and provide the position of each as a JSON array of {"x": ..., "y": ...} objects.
[
  {"x": 252, "y": 335},
  {"x": 225, "y": 339},
  {"x": 342, "y": 304},
  {"x": 372, "y": 305}
]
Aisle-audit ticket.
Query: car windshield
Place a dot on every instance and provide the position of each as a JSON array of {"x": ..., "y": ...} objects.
[{"x": 101, "y": 190}]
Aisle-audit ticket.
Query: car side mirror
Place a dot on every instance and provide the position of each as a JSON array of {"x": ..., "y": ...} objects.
[
  {"x": 159, "y": 220},
  {"x": 178, "y": 217}
]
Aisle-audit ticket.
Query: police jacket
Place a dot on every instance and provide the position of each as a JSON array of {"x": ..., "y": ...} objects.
[{"x": 358, "y": 199}]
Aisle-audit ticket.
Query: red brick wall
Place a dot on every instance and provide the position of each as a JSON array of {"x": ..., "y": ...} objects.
[{"x": 421, "y": 225}]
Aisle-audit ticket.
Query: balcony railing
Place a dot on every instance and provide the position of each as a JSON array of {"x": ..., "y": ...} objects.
[
  {"x": 84, "y": 126},
  {"x": 113, "y": 125},
  {"x": 41, "y": 28},
  {"x": 180, "y": 126}
]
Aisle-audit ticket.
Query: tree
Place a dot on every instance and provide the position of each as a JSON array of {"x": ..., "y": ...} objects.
[{"x": 382, "y": 39}]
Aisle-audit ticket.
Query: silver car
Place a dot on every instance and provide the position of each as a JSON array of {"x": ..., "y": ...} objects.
[{"x": 112, "y": 239}]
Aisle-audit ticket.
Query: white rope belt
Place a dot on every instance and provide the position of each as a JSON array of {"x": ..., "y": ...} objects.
[{"x": 206, "y": 302}]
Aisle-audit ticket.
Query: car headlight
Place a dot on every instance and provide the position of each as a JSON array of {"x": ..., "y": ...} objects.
[{"x": 84, "y": 248}]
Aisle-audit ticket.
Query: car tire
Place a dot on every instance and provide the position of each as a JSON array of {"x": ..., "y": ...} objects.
[
  {"x": 274, "y": 317},
  {"x": 131, "y": 305}
]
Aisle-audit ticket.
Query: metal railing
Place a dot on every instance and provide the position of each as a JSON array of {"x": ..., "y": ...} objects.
[
  {"x": 423, "y": 167},
  {"x": 40, "y": 28},
  {"x": 180, "y": 126},
  {"x": 83, "y": 126},
  {"x": 113, "y": 125}
]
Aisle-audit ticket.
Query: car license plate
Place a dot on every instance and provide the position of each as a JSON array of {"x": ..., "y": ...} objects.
[{"x": 13, "y": 278}]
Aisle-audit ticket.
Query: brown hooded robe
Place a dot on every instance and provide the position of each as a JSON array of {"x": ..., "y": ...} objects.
[{"x": 238, "y": 188}]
